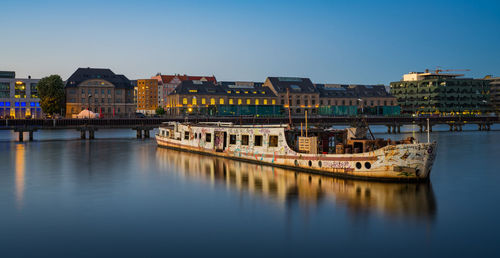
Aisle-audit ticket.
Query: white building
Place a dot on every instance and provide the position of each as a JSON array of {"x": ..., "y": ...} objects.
[{"x": 18, "y": 97}]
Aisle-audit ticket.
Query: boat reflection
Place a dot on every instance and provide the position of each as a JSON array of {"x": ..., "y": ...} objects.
[{"x": 414, "y": 201}]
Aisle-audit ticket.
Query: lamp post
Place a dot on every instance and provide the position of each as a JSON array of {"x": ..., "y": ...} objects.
[
  {"x": 88, "y": 113},
  {"x": 361, "y": 103}
]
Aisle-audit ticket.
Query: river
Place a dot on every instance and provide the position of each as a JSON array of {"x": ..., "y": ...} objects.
[{"x": 123, "y": 197}]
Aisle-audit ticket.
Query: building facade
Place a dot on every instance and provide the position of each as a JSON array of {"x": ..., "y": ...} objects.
[
  {"x": 18, "y": 97},
  {"x": 224, "y": 99},
  {"x": 167, "y": 84},
  {"x": 101, "y": 91},
  {"x": 495, "y": 94},
  {"x": 147, "y": 96},
  {"x": 437, "y": 93},
  {"x": 295, "y": 94},
  {"x": 347, "y": 100}
]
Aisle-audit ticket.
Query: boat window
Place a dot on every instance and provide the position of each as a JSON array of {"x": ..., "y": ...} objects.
[
  {"x": 273, "y": 141},
  {"x": 232, "y": 139},
  {"x": 258, "y": 140},
  {"x": 244, "y": 139},
  {"x": 208, "y": 137},
  {"x": 186, "y": 135}
]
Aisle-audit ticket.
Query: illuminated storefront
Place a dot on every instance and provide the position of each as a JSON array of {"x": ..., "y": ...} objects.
[{"x": 19, "y": 98}]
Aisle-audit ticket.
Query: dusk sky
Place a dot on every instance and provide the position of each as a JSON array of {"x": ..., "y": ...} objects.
[{"x": 372, "y": 42}]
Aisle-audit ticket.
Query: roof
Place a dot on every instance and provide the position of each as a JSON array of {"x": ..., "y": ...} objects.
[
  {"x": 168, "y": 78},
  {"x": 83, "y": 74},
  {"x": 352, "y": 91},
  {"x": 198, "y": 88},
  {"x": 195, "y": 87},
  {"x": 293, "y": 84}
]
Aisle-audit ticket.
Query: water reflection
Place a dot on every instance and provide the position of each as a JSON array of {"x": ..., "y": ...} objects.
[
  {"x": 20, "y": 170},
  {"x": 415, "y": 201}
]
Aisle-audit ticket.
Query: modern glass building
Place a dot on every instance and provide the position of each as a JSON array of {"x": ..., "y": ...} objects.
[
  {"x": 18, "y": 97},
  {"x": 436, "y": 93}
]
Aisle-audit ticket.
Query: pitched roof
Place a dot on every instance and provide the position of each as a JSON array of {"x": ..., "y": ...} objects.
[
  {"x": 168, "y": 78},
  {"x": 83, "y": 74},
  {"x": 293, "y": 84},
  {"x": 352, "y": 91},
  {"x": 198, "y": 88}
]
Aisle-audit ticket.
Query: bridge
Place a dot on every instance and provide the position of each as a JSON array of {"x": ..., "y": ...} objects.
[{"x": 143, "y": 126}]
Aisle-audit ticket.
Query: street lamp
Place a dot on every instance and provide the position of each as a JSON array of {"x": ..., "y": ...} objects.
[
  {"x": 361, "y": 102},
  {"x": 88, "y": 110}
]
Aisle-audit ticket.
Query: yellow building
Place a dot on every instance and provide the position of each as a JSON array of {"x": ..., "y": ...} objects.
[{"x": 147, "y": 95}]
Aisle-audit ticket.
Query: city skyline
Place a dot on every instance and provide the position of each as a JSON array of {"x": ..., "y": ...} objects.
[{"x": 357, "y": 42}]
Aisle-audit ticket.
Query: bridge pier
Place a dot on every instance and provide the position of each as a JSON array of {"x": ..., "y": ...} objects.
[
  {"x": 82, "y": 134},
  {"x": 388, "y": 129},
  {"x": 91, "y": 134},
  {"x": 139, "y": 134},
  {"x": 421, "y": 128},
  {"x": 21, "y": 136},
  {"x": 30, "y": 136},
  {"x": 398, "y": 129},
  {"x": 394, "y": 129},
  {"x": 146, "y": 133}
]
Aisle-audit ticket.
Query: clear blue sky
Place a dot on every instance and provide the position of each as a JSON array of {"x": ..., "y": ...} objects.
[{"x": 328, "y": 41}]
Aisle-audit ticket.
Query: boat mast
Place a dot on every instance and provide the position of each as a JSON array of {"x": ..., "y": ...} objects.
[
  {"x": 306, "y": 122},
  {"x": 288, "y": 102},
  {"x": 428, "y": 131}
]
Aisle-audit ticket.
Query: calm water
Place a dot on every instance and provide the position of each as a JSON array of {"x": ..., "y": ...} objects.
[{"x": 118, "y": 196}]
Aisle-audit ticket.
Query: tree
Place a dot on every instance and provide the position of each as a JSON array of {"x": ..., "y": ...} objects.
[
  {"x": 160, "y": 111},
  {"x": 51, "y": 93}
]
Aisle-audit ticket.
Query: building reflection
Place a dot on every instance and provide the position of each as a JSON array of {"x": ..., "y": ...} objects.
[
  {"x": 288, "y": 187},
  {"x": 20, "y": 173}
]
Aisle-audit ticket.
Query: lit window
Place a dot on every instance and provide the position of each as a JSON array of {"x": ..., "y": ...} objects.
[
  {"x": 212, "y": 101},
  {"x": 231, "y": 102},
  {"x": 239, "y": 101},
  {"x": 203, "y": 101},
  {"x": 273, "y": 102},
  {"x": 184, "y": 101},
  {"x": 194, "y": 101},
  {"x": 248, "y": 101},
  {"x": 221, "y": 101},
  {"x": 256, "y": 102},
  {"x": 265, "y": 101}
]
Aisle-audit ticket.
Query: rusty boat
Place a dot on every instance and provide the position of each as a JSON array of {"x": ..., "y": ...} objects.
[{"x": 344, "y": 153}]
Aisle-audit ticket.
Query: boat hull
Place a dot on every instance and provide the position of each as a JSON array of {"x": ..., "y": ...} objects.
[{"x": 402, "y": 162}]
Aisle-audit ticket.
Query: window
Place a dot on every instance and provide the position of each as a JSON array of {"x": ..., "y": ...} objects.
[
  {"x": 186, "y": 135},
  {"x": 244, "y": 140},
  {"x": 184, "y": 101},
  {"x": 256, "y": 101},
  {"x": 193, "y": 101},
  {"x": 203, "y": 101},
  {"x": 313, "y": 102},
  {"x": 212, "y": 101},
  {"x": 221, "y": 101},
  {"x": 258, "y": 140},
  {"x": 297, "y": 102},
  {"x": 232, "y": 139},
  {"x": 282, "y": 102},
  {"x": 208, "y": 137},
  {"x": 273, "y": 141},
  {"x": 248, "y": 101},
  {"x": 265, "y": 101},
  {"x": 306, "y": 102},
  {"x": 239, "y": 101},
  {"x": 273, "y": 102}
]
